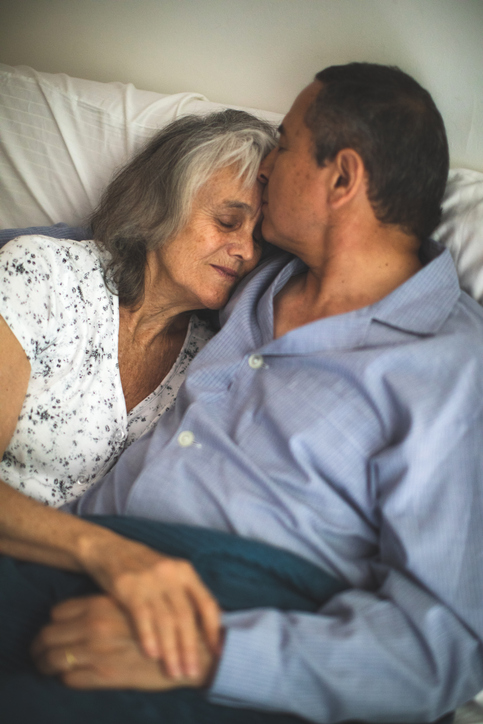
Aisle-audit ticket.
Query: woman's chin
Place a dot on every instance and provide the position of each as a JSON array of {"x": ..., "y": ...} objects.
[
  {"x": 218, "y": 297},
  {"x": 217, "y": 301}
]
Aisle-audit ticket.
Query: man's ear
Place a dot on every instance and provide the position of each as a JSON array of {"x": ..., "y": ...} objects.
[{"x": 348, "y": 177}]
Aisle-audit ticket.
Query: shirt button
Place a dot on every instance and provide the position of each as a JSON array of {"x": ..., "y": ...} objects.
[
  {"x": 186, "y": 438},
  {"x": 81, "y": 480},
  {"x": 255, "y": 361},
  {"x": 118, "y": 435}
]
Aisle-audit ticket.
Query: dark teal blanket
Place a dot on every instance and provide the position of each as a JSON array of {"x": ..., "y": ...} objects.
[{"x": 241, "y": 574}]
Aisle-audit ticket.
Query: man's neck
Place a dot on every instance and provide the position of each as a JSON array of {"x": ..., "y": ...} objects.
[{"x": 346, "y": 277}]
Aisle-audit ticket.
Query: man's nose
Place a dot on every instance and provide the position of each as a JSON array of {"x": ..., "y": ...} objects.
[{"x": 266, "y": 167}]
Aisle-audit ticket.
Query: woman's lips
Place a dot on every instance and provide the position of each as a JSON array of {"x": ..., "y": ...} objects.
[{"x": 226, "y": 272}]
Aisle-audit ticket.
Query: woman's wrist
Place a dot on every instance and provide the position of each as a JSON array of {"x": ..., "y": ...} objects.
[{"x": 95, "y": 548}]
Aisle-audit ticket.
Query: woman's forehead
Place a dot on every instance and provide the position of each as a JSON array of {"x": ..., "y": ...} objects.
[{"x": 226, "y": 188}]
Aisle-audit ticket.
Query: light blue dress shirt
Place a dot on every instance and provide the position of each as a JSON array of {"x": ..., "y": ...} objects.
[{"x": 355, "y": 441}]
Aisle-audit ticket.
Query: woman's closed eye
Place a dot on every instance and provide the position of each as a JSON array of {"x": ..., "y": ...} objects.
[{"x": 229, "y": 223}]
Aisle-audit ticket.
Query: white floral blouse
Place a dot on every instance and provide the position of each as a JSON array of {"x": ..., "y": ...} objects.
[{"x": 73, "y": 424}]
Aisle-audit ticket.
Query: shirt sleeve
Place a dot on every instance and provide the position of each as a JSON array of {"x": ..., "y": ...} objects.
[
  {"x": 413, "y": 646},
  {"x": 27, "y": 291}
]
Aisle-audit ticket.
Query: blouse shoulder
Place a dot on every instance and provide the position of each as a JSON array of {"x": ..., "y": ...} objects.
[
  {"x": 36, "y": 256},
  {"x": 44, "y": 280}
]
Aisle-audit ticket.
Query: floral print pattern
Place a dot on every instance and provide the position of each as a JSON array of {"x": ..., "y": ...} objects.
[{"x": 73, "y": 424}]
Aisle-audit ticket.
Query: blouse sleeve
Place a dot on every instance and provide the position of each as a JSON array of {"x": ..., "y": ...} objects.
[{"x": 28, "y": 270}]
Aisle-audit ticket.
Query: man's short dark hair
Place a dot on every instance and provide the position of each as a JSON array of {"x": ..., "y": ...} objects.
[{"x": 394, "y": 125}]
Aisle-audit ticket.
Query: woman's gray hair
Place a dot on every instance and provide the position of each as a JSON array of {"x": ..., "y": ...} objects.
[{"x": 150, "y": 199}]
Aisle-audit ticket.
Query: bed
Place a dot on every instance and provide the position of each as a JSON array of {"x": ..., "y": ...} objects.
[{"x": 62, "y": 138}]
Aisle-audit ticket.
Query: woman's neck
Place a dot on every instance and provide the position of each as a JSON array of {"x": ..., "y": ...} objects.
[{"x": 151, "y": 336}]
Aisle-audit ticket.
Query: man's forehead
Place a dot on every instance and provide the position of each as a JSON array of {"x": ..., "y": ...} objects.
[{"x": 295, "y": 118}]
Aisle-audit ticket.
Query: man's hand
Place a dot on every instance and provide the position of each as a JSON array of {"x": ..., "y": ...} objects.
[{"x": 90, "y": 644}]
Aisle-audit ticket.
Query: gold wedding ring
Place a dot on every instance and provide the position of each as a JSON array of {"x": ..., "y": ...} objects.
[{"x": 70, "y": 658}]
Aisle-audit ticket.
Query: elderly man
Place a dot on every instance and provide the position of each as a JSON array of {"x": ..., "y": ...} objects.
[{"x": 338, "y": 416}]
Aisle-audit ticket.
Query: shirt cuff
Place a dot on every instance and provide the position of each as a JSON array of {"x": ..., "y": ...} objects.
[{"x": 248, "y": 673}]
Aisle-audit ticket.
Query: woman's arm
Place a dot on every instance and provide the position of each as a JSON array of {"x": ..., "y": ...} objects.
[
  {"x": 14, "y": 379},
  {"x": 163, "y": 596}
]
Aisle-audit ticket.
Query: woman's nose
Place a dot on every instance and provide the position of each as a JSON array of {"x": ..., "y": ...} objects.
[
  {"x": 244, "y": 247},
  {"x": 266, "y": 167}
]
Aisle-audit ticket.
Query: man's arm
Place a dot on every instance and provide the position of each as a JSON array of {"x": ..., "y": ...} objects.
[{"x": 411, "y": 646}]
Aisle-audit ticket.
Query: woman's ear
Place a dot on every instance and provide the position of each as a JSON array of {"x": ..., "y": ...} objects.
[{"x": 348, "y": 177}]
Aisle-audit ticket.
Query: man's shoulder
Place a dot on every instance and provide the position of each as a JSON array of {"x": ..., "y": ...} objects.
[
  {"x": 448, "y": 363},
  {"x": 465, "y": 325}
]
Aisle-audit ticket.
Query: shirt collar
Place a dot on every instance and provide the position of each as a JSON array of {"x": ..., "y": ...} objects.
[
  {"x": 423, "y": 303},
  {"x": 419, "y": 306}
]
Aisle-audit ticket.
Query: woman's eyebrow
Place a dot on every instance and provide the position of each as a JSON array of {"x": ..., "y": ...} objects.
[{"x": 229, "y": 204}]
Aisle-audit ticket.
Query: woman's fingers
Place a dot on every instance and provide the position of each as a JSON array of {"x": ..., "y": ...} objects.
[
  {"x": 167, "y": 602},
  {"x": 169, "y": 605},
  {"x": 209, "y": 615},
  {"x": 144, "y": 624},
  {"x": 185, "y": 642},
  {"x": 156, "y": 628},
  {"x": 168, "y": 623},
  {"x": 172, "y": 620}
]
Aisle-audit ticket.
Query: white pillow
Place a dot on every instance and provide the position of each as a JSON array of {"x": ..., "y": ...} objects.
[
  {"x": 61, "y": 139},
  {"x": 461, "y": 229}
]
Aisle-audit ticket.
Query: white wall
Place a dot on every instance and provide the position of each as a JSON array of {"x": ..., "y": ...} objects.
[{"x": 258, "y": 53}]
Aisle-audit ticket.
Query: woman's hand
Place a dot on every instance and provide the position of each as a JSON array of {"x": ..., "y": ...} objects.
[
  {"x": 90, "y": 644},
  {"x": 164, "y": 597}
]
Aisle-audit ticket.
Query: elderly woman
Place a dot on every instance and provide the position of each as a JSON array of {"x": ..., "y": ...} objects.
[{"x": 95, "y": 338}]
